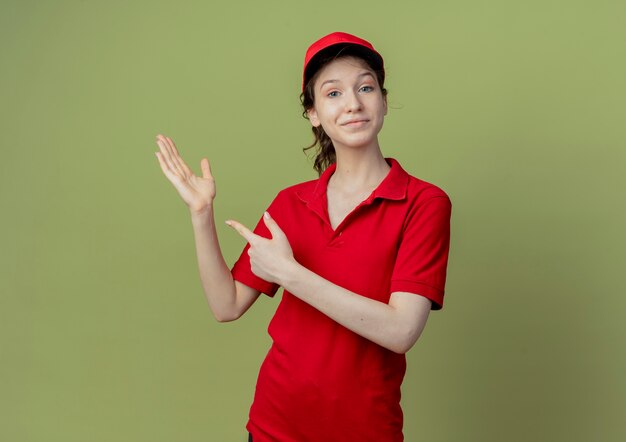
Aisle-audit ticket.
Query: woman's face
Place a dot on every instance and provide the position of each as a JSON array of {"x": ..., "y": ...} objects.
[{"x": 349, "y": 104}]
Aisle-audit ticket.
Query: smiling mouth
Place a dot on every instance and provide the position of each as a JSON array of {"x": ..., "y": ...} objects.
[{"x": 354, "y": 122}]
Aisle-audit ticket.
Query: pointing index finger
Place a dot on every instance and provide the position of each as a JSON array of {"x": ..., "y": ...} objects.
[{"x": 242, "y": 230}]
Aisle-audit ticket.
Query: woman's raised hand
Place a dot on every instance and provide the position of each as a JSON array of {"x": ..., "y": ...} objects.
[{"x": 197, "y": 192}]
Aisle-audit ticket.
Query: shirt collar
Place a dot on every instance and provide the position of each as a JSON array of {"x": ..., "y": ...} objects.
[{"x": 393, "y": 186}]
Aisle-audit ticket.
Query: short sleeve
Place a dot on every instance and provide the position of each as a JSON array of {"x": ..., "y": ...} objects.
[
  {"x": 242, "y": 270},
  {"x": 422, "y": 258}
]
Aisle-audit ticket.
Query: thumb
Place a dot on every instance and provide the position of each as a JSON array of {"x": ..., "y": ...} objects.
[
  {"x": 206, "y": 168},
  {"x": 272, "y": 225}
]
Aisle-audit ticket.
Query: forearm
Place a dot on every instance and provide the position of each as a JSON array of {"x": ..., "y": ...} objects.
[
  {"x": 217, "y": 281},
  {"x": 379, "y": 322}
]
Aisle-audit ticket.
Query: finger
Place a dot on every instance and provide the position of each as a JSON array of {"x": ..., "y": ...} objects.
[
  {"x": 164, "y": 166},
  {"x": 174, "y": 157},
  {"x": 178, "y": 158},
  {"x": 170, "y": 155},
  {"x": 206, "y": 168},
  {"x": 165, "y": 153},
  {"x": 167, "y": 156},
  {"x": 272, "y": 225},
  {"x": 242, "y": 230}
]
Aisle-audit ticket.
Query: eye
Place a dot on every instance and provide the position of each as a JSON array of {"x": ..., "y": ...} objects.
[
  {"x": 366, "y": 88},
  {"x": 333, "y": 94}
]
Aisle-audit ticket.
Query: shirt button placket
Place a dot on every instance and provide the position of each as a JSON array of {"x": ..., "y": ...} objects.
[{"x": 336, "y": 241}]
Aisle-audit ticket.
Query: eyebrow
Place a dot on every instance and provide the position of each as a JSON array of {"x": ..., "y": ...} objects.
[{"x": 364, "y": 74}]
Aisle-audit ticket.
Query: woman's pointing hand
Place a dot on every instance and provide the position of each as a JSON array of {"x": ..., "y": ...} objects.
[
  {"x": 269, "y": 258},
  {"x": 198, "y": 193}
]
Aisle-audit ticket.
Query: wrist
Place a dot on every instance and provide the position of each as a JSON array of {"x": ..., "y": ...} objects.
[
  {"x": 201, "y": 215},
  {"x": 289, "y": 273}
]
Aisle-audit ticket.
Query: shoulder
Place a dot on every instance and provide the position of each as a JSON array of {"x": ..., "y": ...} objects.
[
  {"x": 300, "y": 187},
  {"x": 420, "y": 191},
  {"x": 428, "y": 207},
  {"x": 426, "y": 204},
  {"x": 298, "y": 192}
]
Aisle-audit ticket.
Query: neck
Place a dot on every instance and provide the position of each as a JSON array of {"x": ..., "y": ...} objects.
[{"x": 358, "y": 169}]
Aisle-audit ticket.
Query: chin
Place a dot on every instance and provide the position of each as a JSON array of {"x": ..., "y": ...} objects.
[{"x": 355, "y": 144}]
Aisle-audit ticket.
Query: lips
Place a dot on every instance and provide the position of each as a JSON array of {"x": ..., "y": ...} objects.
[{"x": 354, "y": 122}]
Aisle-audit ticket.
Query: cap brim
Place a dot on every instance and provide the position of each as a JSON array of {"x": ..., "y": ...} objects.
[{"x": 337, "y": 49}]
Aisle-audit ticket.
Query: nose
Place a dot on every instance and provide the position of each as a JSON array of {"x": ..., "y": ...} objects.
[{"x": 353, "y": 102}]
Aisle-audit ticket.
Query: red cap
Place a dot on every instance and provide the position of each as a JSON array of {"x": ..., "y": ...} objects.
[{"x": 340, "y": 40}]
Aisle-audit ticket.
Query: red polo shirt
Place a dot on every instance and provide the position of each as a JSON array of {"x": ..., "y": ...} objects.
[{"x": 319, "y": 380}]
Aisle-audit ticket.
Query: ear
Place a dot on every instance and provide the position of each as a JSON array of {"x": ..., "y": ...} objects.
[
  {"x": 312, "y": 114},
  {"x": 385, "y": 104}
]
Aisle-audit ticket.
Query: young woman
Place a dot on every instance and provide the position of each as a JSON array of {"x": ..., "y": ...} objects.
[{"x": 361, "y": 254}]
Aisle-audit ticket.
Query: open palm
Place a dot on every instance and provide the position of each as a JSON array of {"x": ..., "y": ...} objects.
[{"x": 197, "y": 192}]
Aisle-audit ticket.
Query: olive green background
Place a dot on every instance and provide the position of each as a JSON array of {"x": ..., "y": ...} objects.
[{"x": 516, "y": 109}]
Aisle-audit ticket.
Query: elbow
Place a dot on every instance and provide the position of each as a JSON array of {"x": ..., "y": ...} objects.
[
  {"x": 226, "y": 316},
  {"x": 407, "y": 333},
  {"x": 401, "y": 348},
  {"x": 405, "y": 341},
  {"x": 223, "y": 318}
]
